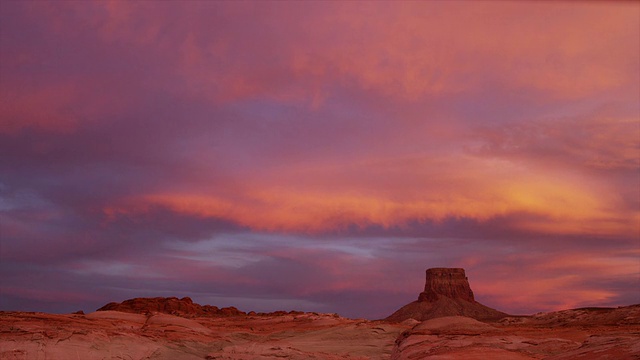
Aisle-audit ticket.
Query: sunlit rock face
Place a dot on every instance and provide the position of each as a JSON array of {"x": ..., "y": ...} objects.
[
  {"x": 446, "y": 293},
  {"x": 110, "y": 334},
  {"x": 587, "y": 333}
]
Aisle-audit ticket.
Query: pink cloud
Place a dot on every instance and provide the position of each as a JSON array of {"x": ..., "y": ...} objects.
[
  {"x": 51, "y": 295},
  {"x": 555, "y": 280},
  {"x": 481, "y": 190},
  {"x": 398, "y": 51}
]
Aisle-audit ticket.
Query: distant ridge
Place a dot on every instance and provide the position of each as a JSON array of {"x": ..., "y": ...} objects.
[
  {"x": 446, "y": 293},
  {"x": 184, "y": 307}
]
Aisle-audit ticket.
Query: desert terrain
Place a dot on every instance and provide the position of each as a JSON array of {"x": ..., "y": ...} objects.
[{"x": 445, "y": 323}]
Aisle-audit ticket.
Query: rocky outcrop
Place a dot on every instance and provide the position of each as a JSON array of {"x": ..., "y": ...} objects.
[
  {"x": 124, "y": 335},
  {"x": 587, "y": 333},
  {"x": 447, "y": 282},
  {"x": 184, "y": 307},
  {"x": 446, "y": 293}
]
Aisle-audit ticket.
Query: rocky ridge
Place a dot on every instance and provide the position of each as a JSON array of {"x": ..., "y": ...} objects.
[
  {"x": 590, "y": 333},
  {"x": 111, "y": 334},
  {"x": 587, "y": 334},
  {"x": 179, "y": 329},
  {"x": 184, "y": 307}
]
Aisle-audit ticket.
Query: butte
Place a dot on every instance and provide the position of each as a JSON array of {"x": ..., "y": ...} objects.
[{"x": 446, "y": 293}]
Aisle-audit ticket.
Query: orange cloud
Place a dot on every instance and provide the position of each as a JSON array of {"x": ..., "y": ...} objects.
[
  {"x": 558, "y": 281},
  {"x": 407, "y": 52},
  {"x": 401, "y": 52},
  {"x": 466, "y": 188},
  {"x": 600, "y": 140}
]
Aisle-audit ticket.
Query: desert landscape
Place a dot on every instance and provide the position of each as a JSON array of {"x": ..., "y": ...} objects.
[
  {"x": 267, "y": 179},
  {"x": 446, "y": 322}
]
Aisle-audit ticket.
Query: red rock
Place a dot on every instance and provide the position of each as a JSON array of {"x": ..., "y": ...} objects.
[
  {"x": 112, "y": 334},
  {"x": 588, "y": 333},
  {"x": 230, "y": 311},
  {"x": 446, "y": 293},
  {"x": 278, "y": 313},
  {"x": 449, "y": 282},
  {"x": 184, "y": 307}
]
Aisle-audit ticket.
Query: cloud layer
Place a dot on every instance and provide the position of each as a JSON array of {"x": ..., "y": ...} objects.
[{"x": 319, "y": 156}]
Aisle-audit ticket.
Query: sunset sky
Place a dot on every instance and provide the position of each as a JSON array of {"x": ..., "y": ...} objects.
[{"x": 319, "y": 156}]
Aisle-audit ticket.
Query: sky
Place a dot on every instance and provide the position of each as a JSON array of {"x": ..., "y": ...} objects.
[{"x": 319, "y": 156}]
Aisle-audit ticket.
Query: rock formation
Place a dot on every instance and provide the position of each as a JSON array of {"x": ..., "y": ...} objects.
[
  {"x": 587, "y": 333},
  {"x": 125, "y": 335},
  {"x": 140, "y": 328},
  {"x": 184, "y": 307},
  {"x": 449, "y": 282},
  {"x": 446, "y": 293}
]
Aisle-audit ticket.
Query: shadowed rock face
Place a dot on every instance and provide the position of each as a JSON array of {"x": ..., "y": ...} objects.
[
  {"x": 448, "y": 282},
  {"x": 446, "y": 293},
  {"x": 184, "y": 307}
]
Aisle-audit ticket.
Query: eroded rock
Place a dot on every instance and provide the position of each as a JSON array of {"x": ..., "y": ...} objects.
[{"x": 446, "y": 293}]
